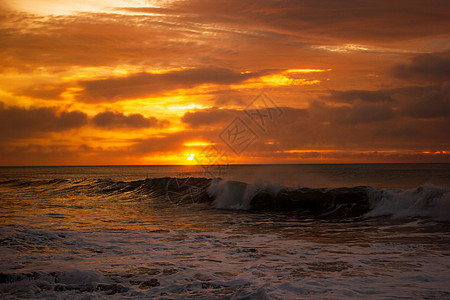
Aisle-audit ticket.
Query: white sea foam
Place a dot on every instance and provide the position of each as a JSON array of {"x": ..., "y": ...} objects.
[
  {"x": 233, "y": 263},
  {"x": 229, "y": 194},
  {"x": 428, "y": 201},
  {"x": 425, "y": 201},
  {"x": 121, "y": 239}
]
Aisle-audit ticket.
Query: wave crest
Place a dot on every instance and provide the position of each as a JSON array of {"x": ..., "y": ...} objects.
[
  {"x": 428, "y": 201},
  {"x": 425, "y": 201}
]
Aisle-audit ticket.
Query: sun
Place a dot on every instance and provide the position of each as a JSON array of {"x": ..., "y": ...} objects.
[{"x": 190, "y": 156}]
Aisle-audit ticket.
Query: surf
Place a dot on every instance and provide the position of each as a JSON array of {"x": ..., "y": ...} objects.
[{"x": 426, "y": 201}]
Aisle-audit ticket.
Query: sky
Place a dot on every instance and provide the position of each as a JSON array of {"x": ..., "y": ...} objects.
[{"x": 124, "y": 82}]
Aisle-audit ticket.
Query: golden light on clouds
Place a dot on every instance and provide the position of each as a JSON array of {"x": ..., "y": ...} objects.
[
  {"x": 290, "y": 77},
  {"x": 153, "y": 82},
  {"x": 282, "y": 80},
  {"x": 197, "y": 144},
  {"x": 307, "y": 70},
  {"x": 60, "y": 7}
]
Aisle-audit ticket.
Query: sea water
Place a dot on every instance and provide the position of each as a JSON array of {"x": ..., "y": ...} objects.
[{"x": 257, "y": 232}]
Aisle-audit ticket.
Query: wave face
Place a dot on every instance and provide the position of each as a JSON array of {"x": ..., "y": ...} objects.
[
  {"x": 428, "y": 201},
  {"x": 307, "y": 202},
  {"x": 175, "y": 189}
]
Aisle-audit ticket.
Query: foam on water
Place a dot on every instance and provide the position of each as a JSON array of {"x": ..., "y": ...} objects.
[
  {"x": 198, "y": 238},
  {"x": 236, "y": 262},
  {"x": 425, "y": 201},
  {"x": 429, "y": 201}
]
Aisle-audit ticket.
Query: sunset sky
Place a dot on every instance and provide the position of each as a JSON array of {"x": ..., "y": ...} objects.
[{"x": 264, "y": 81}]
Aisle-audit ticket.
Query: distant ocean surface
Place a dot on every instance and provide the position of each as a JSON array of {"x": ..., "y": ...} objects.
[{"x": 225, "y": 232}]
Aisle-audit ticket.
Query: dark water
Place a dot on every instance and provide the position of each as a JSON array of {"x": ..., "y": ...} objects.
[
  {"x": 326, "y": 175},
  {"x": 261, "y": 232}
]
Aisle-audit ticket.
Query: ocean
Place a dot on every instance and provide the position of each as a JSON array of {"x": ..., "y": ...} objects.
[{"x": 377, "y": 231}]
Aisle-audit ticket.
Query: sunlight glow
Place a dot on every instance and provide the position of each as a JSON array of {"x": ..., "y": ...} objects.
[
  {"x": 68, "y": 7},
  {"x": 91, "y": 73},
  {"x": 343, "y": 48},
  {"x": 282, "y": 80},
  {"x": 197, "y": 144},
  {"x": 307, "y": 70},
  {"x": 186, "y": 107}
]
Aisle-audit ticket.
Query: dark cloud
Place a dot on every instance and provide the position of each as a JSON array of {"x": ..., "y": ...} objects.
[
  {"x": 416, "y": 119},
  {"x": 393, "y": 134},
  {"x": 42, "y": 92},
  {"x": 292, "y": 115},
  {"x": 427, "y": 102},
  {"x": 47, "y": 155},
  {"x": 72, "y": 119},
  {"x": 208, "y": 117},
  {"x": 17, "y": 122},
  {"x": 426, "y": 67},
  {"x": 423, "y": 102},
  {"x": 359, "y": 113},
  {"x": 111, "y": 120},
  {"x": 363, "y": 95},
  {"x": 146, "y": 84}
]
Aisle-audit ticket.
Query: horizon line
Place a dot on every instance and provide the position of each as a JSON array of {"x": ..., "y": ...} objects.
[{"x": 180, "y": 165}]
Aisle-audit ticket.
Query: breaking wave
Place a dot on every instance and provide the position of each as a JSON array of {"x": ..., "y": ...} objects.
[{"x": 427, "y": 201}]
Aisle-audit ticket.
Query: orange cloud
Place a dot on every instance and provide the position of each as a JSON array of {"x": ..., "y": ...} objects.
[
  {"x": 146, "y": 84},
  {"x": 150, "y": 84},
  {"x": 109, "y": 119}
]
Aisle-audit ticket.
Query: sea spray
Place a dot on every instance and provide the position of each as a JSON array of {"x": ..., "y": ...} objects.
[
  {"x": 228, "y": 194},
  {"x": 83, "y": 237},
  {"x": 425, "y": 201}
]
